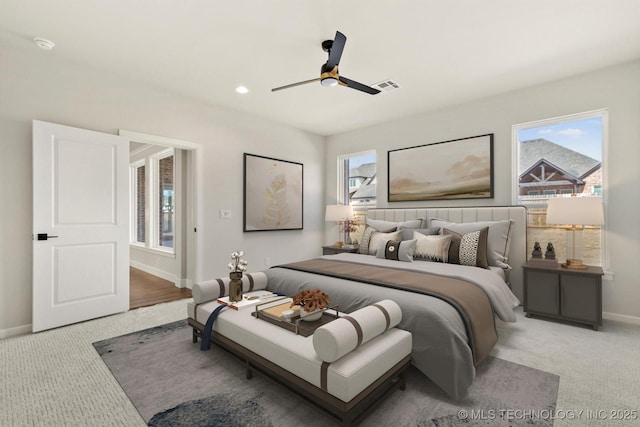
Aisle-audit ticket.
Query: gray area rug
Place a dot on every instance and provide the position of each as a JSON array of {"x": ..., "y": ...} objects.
[{"x": 172, "y": 383}]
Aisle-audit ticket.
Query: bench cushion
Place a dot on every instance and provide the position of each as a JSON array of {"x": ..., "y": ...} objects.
[
  {"x": 338, "y": 338},
  {"x": 346, "y": 377}
]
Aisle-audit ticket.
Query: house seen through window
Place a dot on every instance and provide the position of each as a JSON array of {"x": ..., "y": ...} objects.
[
  {"x": 357, "y": 181},
  {"x": 561, "y": 157}
]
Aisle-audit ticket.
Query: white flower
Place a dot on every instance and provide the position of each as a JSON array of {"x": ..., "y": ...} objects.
[{"x": 237, "y": 264}]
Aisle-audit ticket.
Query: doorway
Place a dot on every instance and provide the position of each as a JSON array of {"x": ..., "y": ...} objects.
[{"x": 163, "y": 249}]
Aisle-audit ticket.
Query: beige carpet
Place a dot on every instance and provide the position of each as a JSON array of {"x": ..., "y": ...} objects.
[{"x": 57, "y": 378}]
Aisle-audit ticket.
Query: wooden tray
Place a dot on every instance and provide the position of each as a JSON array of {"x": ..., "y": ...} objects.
[{"x": 294, "y": 324}]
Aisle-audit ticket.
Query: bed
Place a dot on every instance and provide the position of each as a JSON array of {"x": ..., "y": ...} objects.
[{"x": 451, "y": 334}]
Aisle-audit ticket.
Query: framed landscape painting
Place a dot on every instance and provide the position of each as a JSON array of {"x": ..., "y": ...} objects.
[
  {"x": 456, "y": 169},
  {"x": 272, "y": 194}
]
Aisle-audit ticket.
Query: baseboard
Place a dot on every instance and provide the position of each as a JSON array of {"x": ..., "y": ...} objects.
[
  {"x": 621, "y": 318},
  {"x": 179, "y": 283},
  {"x": 13, "y": 332}
]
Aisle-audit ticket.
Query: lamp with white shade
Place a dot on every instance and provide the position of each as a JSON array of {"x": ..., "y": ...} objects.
[
  {"x": 576, "y": 212},
  {"x": 339, "y": 214}
]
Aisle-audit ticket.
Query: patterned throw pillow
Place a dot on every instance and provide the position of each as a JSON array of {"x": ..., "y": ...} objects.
[
  {"x": 363, "y": 247},
  {"x": 397, "y": 250},
  {"x": 431, "y": 248},
  {"x": 498, "y": 240},
  {"x": 469, "y": 248}
]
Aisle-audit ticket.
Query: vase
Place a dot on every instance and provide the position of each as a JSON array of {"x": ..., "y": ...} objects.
[
  {"x": 235, "y": 286},
  {"x": 310, "y": 317}
]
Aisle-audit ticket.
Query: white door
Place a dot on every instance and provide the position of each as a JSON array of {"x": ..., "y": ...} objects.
[{"x": 80, "y": 225}]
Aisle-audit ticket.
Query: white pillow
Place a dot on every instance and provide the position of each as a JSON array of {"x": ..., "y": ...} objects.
[
  {"x": 431, "y": 248},
  {"x": 341, "y": 336},
  {"x": 378, "y": 238},
  {"x": 498, "y": 239}
]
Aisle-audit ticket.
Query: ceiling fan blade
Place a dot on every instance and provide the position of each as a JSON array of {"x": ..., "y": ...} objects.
[
  {"x": 295, "y": 84},
  {"x": 336, "y": 50},
  {"x": 358, "y": 86}
]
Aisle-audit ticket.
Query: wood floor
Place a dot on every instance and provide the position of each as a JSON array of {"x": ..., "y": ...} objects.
[{"x": 147, "y": 289}]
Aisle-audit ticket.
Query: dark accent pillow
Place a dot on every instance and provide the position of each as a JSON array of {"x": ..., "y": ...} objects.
[
  {"x": 397, "y": 250},
  {"x": 469, "y": 248}
]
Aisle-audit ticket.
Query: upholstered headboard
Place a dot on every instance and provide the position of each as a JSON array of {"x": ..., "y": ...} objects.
[{"x": 518, "y": 214}]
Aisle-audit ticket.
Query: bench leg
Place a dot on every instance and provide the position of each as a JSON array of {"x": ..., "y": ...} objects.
[
  {"x": 403, "y": 383},
  {"x": 195, "y": 336},
  {"x": 249, "y": 371}
]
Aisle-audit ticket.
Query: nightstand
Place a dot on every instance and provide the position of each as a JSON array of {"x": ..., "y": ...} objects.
[
  {"x": 332, "y": 250},
  {"x": 563, "y": 293}
]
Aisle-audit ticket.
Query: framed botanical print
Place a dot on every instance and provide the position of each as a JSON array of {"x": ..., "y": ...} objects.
[{"x": 272, "y": 194}]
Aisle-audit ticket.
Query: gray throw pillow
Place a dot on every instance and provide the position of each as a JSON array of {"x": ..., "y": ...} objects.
[
  {"x": 380, "y": 224},
  {"x": 407, "y": 233}
]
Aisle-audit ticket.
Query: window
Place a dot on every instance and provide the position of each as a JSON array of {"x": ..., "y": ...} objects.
[
  {"x": 138, "y": 192},
  {"x": 165, "y": 198},
  {"x": 557, "y": 158},
  {"x": 357, "y": 184},
  {"x": 153, "y": 197}
]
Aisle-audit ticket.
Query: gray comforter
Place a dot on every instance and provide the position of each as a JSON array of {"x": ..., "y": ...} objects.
[{"x": 440, "y": 344}]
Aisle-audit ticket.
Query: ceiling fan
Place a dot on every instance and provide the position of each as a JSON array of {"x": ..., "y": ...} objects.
[{"x": 329, "y": 71}]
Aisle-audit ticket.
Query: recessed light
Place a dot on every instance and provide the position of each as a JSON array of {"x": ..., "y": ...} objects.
[
  {"x": 44, "y": 44},
  {"x": 242, "y": 89}
]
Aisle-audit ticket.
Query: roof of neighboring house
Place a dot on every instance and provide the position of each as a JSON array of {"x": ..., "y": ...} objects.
[
  {"x": 577, "y": 164},
  {"x": 365, "y": 170},
  {"x": 366, "y": 191}
]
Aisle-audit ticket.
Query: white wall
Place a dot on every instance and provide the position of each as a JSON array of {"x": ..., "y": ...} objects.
[
  {"x": 41, "y": 86},
  {"x": 616, "y": 88}
]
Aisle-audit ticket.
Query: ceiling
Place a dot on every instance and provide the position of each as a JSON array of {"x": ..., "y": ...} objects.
[{"x": 441, "y": 52}]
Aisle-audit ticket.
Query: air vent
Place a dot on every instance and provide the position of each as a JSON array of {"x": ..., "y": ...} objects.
[{"x": 386, "y": 85}]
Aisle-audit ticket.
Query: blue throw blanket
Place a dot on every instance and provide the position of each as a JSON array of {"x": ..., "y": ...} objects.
[{"x": 205, "y": 343}]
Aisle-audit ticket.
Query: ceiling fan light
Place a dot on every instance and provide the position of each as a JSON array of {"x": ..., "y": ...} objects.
[{"x": 329, "y": 81}]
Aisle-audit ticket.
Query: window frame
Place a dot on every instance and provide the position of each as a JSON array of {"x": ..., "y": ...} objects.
[
  {"x": 156, "y": 202},
  {"x": 603, "y": 114},
  {"x": 152, "y": 202},
  {"x": 343, "y": 174},
  {"x": 133, "y": 191}
]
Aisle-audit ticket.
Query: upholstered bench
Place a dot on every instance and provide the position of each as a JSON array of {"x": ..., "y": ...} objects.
[{"x": 344, "y": 368}]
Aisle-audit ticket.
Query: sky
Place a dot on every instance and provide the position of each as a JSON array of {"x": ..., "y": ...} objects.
[
  {"x": 354, "y": 162},
  {"x": 583, "y": 136}
]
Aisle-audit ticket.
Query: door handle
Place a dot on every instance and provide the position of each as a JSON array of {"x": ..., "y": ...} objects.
[{"x": 45, "y": 236}]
